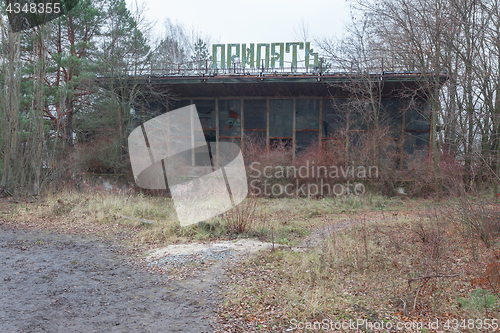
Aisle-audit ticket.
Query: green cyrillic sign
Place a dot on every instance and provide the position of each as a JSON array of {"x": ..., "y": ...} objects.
[{"x": 263, "y": 55}]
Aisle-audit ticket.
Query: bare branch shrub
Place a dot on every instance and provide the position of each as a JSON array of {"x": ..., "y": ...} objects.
[
  {"x": 241, "y": 218},
  {"x": 481, "y": 219}
]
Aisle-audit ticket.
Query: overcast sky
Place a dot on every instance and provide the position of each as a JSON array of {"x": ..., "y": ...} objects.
[{"x": 252, "y": 21}]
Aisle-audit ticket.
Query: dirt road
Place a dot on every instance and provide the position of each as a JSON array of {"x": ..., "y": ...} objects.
[{"x": 69, "y": 283}]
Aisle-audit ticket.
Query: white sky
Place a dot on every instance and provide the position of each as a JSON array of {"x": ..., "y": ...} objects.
[{"x": 252, "y": 21}]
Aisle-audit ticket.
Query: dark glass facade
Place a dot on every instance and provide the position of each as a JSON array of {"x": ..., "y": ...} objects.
[{"x": 301, "y": 122}]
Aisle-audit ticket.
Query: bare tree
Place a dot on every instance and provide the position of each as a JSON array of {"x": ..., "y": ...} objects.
[
  {"x": 178, "y": 48},
  {"x": 358, "y": 55},
  {"x": 456, "y": 39}
]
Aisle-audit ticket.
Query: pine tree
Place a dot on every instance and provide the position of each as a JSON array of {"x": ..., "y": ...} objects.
[
  {"x": 72, "y": 68},
  {"x": 201, "y": 55},
  {"x": 122, "y": 58}
]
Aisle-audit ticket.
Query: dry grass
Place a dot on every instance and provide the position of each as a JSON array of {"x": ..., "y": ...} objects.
[
  {"x": 368, "y": 257},
  {"x": 398, "y": 266},
  {"x": 104, "y": 214},
  {"x": 116, "y": 214},
  {"x": 286, "y": 221}
]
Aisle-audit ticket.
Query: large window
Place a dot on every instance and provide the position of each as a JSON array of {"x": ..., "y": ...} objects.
[
  {"x": 306, "y": 122},
  {"x": 255, "y": 116},
  {"x": 416, "y": 141},
  {"x": 296, "y": 122},
  {"x": 417, "y": 127},
  {"x": 230, "y": 118},
  {"x": 201, "y": 155},
  {"x": 280, "y": 118},
  {"x": 417, "y": 116},
  {"x": 206, "y": 114},
  {"x": 280, "y": 122},
  {"x": 177, "y": 104},
  {"x": 392, "y": 116},
  {"x": 335, "y": 112}
]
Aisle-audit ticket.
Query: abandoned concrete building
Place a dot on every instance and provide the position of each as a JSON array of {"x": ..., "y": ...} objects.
[
  {"x": 300, "y": 109},
  {"x": 296, "y": 104}
]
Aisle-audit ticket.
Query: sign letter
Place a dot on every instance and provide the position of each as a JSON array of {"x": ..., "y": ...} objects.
[
  {"x": 309, "y": 52},
  {"x": 230, "y": 57},
  {"x": 294, "y": 51},
  {"x": 259, "y": 49},
  {"x": 248, "y": 55},
  {"x": 222, "y": 55},
  {"x": 275, "y": 55}
]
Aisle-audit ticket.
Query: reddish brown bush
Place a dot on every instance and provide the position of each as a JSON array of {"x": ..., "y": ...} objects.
[{"x": 353, "y": 152}]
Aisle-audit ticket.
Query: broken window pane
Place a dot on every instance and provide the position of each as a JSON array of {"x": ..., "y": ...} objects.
[
  {"x": 206, "y": 113},
  {"x": 230, "y": 118}
]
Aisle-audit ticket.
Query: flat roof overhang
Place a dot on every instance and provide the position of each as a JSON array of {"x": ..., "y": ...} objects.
[{"x": 392, "y": 84}]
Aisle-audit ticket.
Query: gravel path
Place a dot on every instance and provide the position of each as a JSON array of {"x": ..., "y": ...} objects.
[
  {"x": 201, "y": 257},
  {"x": 68, "y": 283}
]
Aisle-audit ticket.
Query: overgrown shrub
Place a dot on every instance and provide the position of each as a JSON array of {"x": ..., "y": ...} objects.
[
  {"x": 481, "y": 219},
  {"x": 103, "y": 155},
  {"x": 362, "y": 159},
  {"x": 241, "y": 218}
]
